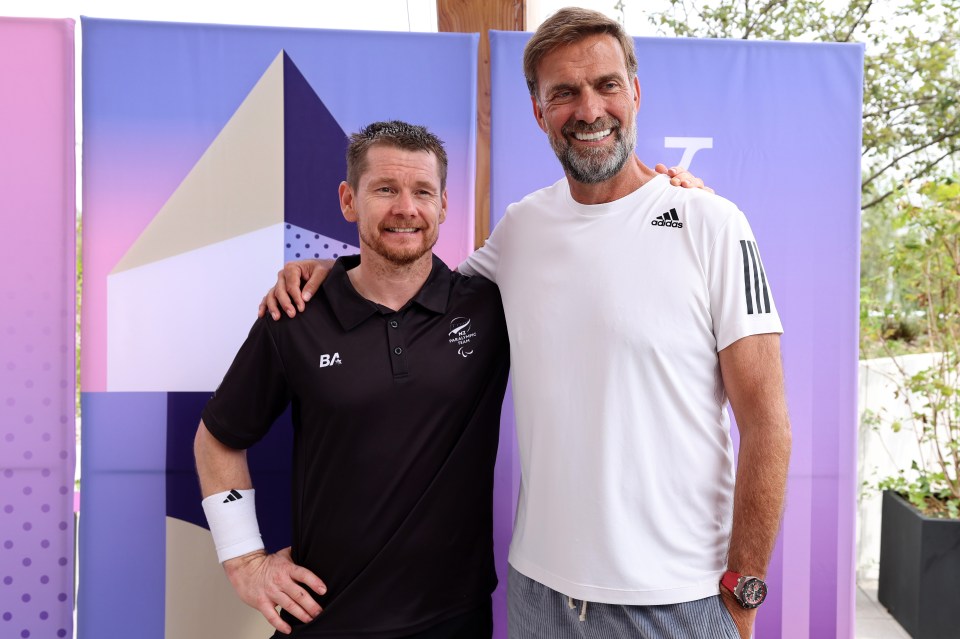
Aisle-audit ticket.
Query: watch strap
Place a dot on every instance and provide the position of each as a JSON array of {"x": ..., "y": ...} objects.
[{"x": 730, "y": 580}]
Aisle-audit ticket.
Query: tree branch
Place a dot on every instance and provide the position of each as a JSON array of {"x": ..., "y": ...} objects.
[
  {"x": 909, "y": 152},
  {"x": 929, "y": 165},
  {"x": 900, "y": 107},
  {"x": 856, "y": 23}
]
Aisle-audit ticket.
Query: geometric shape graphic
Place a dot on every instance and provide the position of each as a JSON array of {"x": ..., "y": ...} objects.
[
  {"x": 280, "y": 156},
  {"x": 183, "y": 498},
  {"x": 300, "y": 243},
  {"x": 139, "y": 486},
  {"x": 122, "y": 522},
  {"x": 197, "y": 134},
  {"x": 269, "y": 463},
  {"x": 234, "y": 188},
  {"x": 173, "y": 327},
  {"x": 199, "y": 599},
  {"x": 314, "y": 153}
]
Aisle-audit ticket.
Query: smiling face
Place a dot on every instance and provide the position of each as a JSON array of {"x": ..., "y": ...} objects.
[
  {"x": 398, "y": 205},
  {"x": 587, "y": 104}
]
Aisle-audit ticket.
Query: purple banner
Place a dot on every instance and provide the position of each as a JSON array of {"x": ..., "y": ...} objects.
[
  {"x": 774, "y": 127},
  {"x": 37, "y": 333},
  {"x": 204, "y": 146}
]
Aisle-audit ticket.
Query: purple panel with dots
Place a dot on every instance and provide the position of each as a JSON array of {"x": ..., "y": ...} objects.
[
  {"x": 37, "y": 329},
  {"x": 301, "y": 243}
]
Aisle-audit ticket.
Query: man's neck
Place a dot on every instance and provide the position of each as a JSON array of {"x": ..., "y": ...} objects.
[
  {"x": 386, "y": 283},
  {"x": 631, "y": 177}
]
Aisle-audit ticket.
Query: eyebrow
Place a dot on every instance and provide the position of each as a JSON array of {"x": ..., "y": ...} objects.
[
  {"x": 376, "y": 182},
  {"x": 610, "y": 76},
  {"x": 566, "y": 86}
]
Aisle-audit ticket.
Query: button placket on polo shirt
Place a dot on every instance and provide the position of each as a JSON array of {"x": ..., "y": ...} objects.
[{"x": 396, "y": 344}]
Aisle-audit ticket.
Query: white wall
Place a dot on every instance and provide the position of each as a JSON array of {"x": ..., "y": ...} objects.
[{"x": 881, "y": 452}]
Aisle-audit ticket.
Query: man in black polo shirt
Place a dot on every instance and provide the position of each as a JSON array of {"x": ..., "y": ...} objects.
[{"x": 396, "y": 376}]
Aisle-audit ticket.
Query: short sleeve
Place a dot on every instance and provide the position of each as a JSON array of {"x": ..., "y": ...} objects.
[
  {"x": 484, "y": 261},
  {"x": 741, "y": 299},
  {"x": 253, "y": 393}
]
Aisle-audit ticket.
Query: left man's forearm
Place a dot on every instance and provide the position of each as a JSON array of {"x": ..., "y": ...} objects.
[{"x": 219, "y": 467}]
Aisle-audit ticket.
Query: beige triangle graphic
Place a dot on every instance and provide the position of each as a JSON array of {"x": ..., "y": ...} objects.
[
  {"x": 199, "y": 601},
  {"x": 234, "y": 188}
]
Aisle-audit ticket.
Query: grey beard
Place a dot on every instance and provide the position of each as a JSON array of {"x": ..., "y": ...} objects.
[{"x": 598, "y": 165}]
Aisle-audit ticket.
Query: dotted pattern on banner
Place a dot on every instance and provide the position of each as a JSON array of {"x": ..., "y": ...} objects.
[
  {"x": 37, "y": 451},
  {"x": 301, "y": 244},
  {"x": 37, "y": 330}
]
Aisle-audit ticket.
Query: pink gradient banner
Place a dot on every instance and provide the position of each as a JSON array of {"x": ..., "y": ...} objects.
[{"x": 37, "y": 347}]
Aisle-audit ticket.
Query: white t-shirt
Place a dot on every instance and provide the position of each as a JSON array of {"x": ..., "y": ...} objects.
[{"x": 616, "y": 313}]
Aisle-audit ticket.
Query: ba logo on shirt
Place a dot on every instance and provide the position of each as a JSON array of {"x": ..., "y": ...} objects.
[
  {"x": 461, "y": 335},
  {"x": 330, "y": 360}
]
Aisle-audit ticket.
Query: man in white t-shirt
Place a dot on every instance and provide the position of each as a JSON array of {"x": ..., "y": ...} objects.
[{"x": 635, "y": 312}]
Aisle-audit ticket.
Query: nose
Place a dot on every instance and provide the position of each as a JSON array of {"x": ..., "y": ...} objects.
[
  {"x": 404, "y": 204},
  {"x": 590, "y": 107}
]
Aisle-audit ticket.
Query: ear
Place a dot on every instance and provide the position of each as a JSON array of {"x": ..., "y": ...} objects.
[
  {"x": 347, "y": 202},
  {"x": 538, "y": 113},
  {"x": 443, "y": 206},
  {"x": 636, "y": 93}
]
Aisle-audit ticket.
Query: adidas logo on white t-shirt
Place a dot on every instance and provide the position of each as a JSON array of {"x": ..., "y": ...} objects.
[{"x": 668, "y": 219}]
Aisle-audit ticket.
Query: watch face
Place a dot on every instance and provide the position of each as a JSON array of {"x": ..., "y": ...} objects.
[{"x": 753, "y": 592}]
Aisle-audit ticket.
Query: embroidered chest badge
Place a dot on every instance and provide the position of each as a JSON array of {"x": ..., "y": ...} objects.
[{"x": 461, "y": 334}]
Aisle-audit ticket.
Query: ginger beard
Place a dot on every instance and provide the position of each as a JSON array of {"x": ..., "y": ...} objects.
[
  {"x": 592, "y": 165},
  {"x": 392, "y": 240}
]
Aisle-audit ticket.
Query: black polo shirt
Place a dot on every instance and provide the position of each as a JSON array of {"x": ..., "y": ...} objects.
[{"x": 396, "y": 417}]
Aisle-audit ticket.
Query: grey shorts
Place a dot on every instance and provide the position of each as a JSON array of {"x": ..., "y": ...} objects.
[{"x": 537, "y": 612}]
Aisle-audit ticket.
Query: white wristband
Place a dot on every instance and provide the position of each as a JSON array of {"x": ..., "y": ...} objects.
[{"x": 232, "y": 516}]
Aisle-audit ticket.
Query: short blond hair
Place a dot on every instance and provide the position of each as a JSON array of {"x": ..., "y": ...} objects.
[{"x": 568, "y": 26}]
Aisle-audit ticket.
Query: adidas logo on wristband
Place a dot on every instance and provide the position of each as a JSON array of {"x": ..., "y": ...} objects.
[
  {"x": 232, "y": 517},
  {"x": 233, "y": 495}
]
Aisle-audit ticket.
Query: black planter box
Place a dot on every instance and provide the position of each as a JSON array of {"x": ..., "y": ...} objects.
[{"x": 920, "y": 570}]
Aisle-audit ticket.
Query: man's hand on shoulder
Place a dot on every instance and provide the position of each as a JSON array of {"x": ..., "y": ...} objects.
[
  {"x": 679, "y": 176},
  {"x": 287, "y": 295},
  {"x": 742, "y": 617},
  {"x": 266, "y": 581}
]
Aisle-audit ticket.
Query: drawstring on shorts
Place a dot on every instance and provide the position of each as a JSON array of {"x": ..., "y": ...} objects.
[{"x": 583, "y": 607}]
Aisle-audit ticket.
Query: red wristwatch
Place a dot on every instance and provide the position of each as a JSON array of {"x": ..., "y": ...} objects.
[{"x": 749, "y": 591}]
